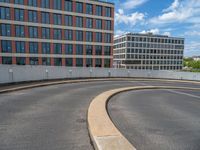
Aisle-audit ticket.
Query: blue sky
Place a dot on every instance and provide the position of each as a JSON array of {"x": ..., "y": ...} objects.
[{"x": 179, "y": 18}]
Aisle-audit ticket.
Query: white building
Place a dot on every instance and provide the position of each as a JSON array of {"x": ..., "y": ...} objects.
[{"x": 148, "y": 52}]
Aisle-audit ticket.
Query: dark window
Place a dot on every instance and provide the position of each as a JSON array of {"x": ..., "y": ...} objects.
[
  {"x": 33, "y": 60},
  {"x": 46, "y": 61},
  {"x": 33, "y": 47},
  {"x": 98, "y": 62},
  {"x": 79, "y": 21},
  {"x": 20, "y": 60},
  {"x": 89, "y": 36},
  {"x": 45, "y": 4},
  {"x": 68, "y": 20},
  {"x": 33, "y": 32},
  {"x": 79, "y": 62},
  {"x": 32, "y": 3},
  {"x": 57, "y": 48},
  {"x": 6, "y": 46},
  {"x": 108, "y": 12},
  {"x": 98, "y": 50},
  {"x": 6, "y": 1},
  {"x": 57, "y": 61},
  {"x": 79, "y": 7},
  {"x": 99, "y": 10},
  {"x": 57, "y": 18},
  {"x": 89, "y": 22},
  {"x": 57, "y": 34},
  {"x": 5, "y": 29},
  {"x": 79, "y": 35},
  {"x": 79, "y": 49},
  {"x": 57, "y": 4},
  {"x": 32, "y": 16},
  {"x": 108, "y": 25},
  {"x": 98, "y": 37},
  {"x": 88, "y": 62},
  {"x": 89, "y": 49},
  {"x": 68, "y": 5},
  {"x": 107, "y": 37},
  {"x": 107, "y": 63},
  {"x": 19, "y": 31},
  {"x": 98, "y": 24},
  {"x": 69, "y": 62},
  {"x": 7, "y": 60},
  {"x": 45, "y": 33},
  {"x": 45, "y": 48},
  {"x": 107, "y": 50},
  {"x": 45, "y": 17},
  {"x": 20, "y": 46},
  {"x": 68, "y": 34},
  {"x": 69, "y": 49},
  {"x": 19, "y": 2},
  {"x": 19, "y": 14},
  {"x": 4, "y": 13},
  {"x": 89, "y": 9}
]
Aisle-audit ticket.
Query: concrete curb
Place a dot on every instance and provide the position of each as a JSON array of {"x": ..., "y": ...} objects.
[
  {"x": 104, "y": 134},
  {"x": 91, "y": 80}
]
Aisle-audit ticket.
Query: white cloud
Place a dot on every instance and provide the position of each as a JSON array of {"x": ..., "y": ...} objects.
[
  {"x": 193, "y": 33},
  {"x": 119, "y": 32},
  {"x": 130, "y": 4},
  {"x": 192, "y": 48},
  {"x": 179, "y": 11},
  {"x": 154, "y": 31},
  {"x": 167, "y": 33},
  {"x": 131, "y": 19}
]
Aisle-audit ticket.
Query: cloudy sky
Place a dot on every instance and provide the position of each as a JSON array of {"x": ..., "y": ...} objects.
[{"x": 168, "y": 17}]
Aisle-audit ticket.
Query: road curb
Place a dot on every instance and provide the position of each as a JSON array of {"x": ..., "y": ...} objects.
[
  {"x": 103, "y": 133},
  {"x": 91, "y": 80}
]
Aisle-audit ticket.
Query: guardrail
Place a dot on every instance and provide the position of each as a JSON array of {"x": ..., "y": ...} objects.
[{"x": 14, "y": 73}]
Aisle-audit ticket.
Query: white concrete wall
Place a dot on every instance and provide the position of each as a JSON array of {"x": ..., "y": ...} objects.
[{"x": 13, "y": 73}]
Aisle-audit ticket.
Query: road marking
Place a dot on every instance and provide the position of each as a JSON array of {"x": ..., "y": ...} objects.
[{"x": 183, "y": 93}]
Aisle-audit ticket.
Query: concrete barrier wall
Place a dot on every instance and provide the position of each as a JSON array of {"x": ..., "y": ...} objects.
[{"x": 13, "y": 73}]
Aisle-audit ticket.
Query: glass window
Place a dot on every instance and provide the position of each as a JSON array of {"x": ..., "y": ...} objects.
[
  {"x": 6, "y": 1},
  {"x": 68, "y": 5},
  {"x": 57, "y": 34},
  {"x": 69, "y": 35},
  {"x": 79, "y": 62},
  {"x": 33, "y": 32},
  {"x": 69, "y": 49},
  {"x": 79, "y": 49},
  {"x": 88, "y": 62},
  {"x": 89, "y": 22},
  {"x": 98, "y": 62},
  {"x": 57, "y": 61},
  {"x": 19, "y": 2},
  {"x": 68, "y": 20},
  {"x": 33, "y": 47},
  {"x": 107, "y": 63},
  {"x": 108, "y": 12},
  {"x": 107, "y": 37},
  {"x": 7, "y": 60},
  {"x": 32, "y": 16},
  {"x": 4, "y": 13},
  {"x": 57, "y": 4},
  {"x": 69, "y": 62},
  {"x": 107, "y": 50},
  {"x": 19, "y": 14},
  {"x": 89, "y": 9},
  {"x": 5, "y": 29},
  {"x": 20, "y": 60},
  {"x": 57, "y": 48},
  {"x": 89, "y": 49},
  {"x": 19, "y": 31},
  {"x": 79, "y": 7},
  {"x": 20, "y": 46},
  {"x": 45, "y": 48},
  {"x": 89, "y": 36},
  {"x": 108, "y": 25},
  {"x": 99, "y": 10},
  {"x": 79, "y": 21},
  {"x": 45, "y": 17},
  {"x": 79, "y": 35},
  {"x": 57, "y": 19},
  {"x": 98, "y": 23},
  {"x": 98, "y": 50},
  {"x": 98, "y": 37},
  {"x": 46, "y": 33},
  {"x": 32, "y": 3},
  {"x": 33, "y": 61},
  {"x": 45, "y": 4},
  {"x": 46, "y": 61},
  {"x": 6, "y": 46}
]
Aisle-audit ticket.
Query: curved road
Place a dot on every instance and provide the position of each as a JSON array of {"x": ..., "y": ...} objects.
[
  {"x": 158, "y": 119},
  {"x": 53, "y": 117}
]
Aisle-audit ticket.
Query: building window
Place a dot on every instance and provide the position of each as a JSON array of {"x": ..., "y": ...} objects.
[
  {"x": 79, "y": 62},
  {"x": 108, "y": 12},
  {"x": 33, "y": 61},
  {"x": 107, "y": 63},
  {"x": 33, "y": 32},
  {"x": 6, "y": 46},
  {"x": 57, "y": 34},
  {"x": 68, "y": 5},
  {"x": 98, "y": 62},
  {"x": 107, "y": 37},
  {"x": 4, "y": 13},
  {"x": 89, "y": 22},
  {"x": 107, "y": 50},
  {"x": 88, "y": 62},
  {"x": 79, "y": 21},
  {"x": 79, "y": 49},
  {"x": 57, "y": 61},
  {"x": 46, "y": 61},
  {"x": 98, "y": 37},
  {"x": 107, "y": 25},
  {"x": 89, "y": 49},
  {"x": 57, "y": 48},
  {"x": 89, "y": 36},
  {"x": 32, "y": 3},
  {"x": 33, "y": 47},
  {"x": 98, "y": 24},
  {"x": 19, "y": 31},
  {"x": 5, "y": 29},
  {"x": 89, "y": 9},
  {"x": 20, "y": 60},
  {"x": 20, "y": 47},
  {"x": 79, "y": 35},
  {"x": 45, "y": 48},
  {"x": 5, "y": 1},
  {"x": 68, "y": 20},
  {"x": 46, "y": 33},
  {"x": 69, "y": 62},
  {"x": 79, "y": 7},
  {"x": 57, "y": 4},
  {"x": 45, "y": 17},
  {"x": 19, "y": 14},
  {"x": 19, "y": 2},
  {"x": 98, "y": 50},
  {"x": 69, "y": 35},
  {"x": 69, "y": 49},
  {"x": 99, "y": 10},
  {"x": 7, "y": 60},
  {"x": 57, "y": 18},
  {"x": 45, "y": 4},
  {"x": 32, "y": 16}
]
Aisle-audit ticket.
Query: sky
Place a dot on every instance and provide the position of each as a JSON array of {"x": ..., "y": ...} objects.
[{"x": 177, "y": 18}]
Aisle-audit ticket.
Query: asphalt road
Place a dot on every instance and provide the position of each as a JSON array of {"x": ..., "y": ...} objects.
[
  {"x": 53, "y": 117},
  {"x": 158, "y": 119}
]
